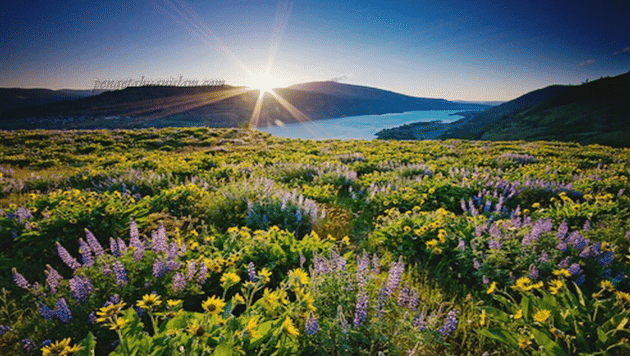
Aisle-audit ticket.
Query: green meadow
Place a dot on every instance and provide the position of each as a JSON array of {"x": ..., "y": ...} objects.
[{"x": 197, "y": 241}]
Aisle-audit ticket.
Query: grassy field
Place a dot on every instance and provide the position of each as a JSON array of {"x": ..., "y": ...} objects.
[{"x": 196, "y": 241}]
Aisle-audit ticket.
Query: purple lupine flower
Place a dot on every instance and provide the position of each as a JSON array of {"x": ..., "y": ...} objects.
[
  {"x": 45, "y": 311},
  {"x": 619, "y": 277},
  {"x": 544, "y": 257},
  {"x": 92, "y": 318},
  {"x": 302, "y": 261},
  {"x": 138, "y": 311},
  {"x": 495, "y": 244},
  {"x": 363, "y": 264},
  {"x": 396, "y": 270},
  {"x": 113, "y": 247},
  {"x": 414, "y": 300},
  {"x": 159, "y": 242},
  {"x": 562, "y": 230},
  {"x": 596, "y": 249},
  {"x": 420, "y": 322},
  {"x": 376, "y": 262},
  {"x": 251, "y": 271},
  {"x": 485, "y": 279},
  {"x": 86, "y": 253},
  {"x": 114, "y": 299},
  {"x": 105, "y": 268},
  {"x": 28, "y": 345},
  {"x": 80, "y": 286},
  {"x": 533, "y": 272},
  {"x": 190, "y": 271},
  {"x": 565, "y": 262},
  {"x": 46, "y": 342},
  {"x": 495, "y": 231},
  {"x": 576, "y": 239},
  {"x": 476, "y": 264},
  {"x": 360, "y": 311},
  {"x": 179, "y": 282},
  {"x": 450, "y": 324},
  {"x": 67, "y": 258},
  {"x": 202, "y": 274},
  {"x": 580, "y": 280},
  {"x": 122, "y": 248},
  {"x": 382, "y": 295},
  {"x": 172, "y": 265},
  {"x": 461, "y": 244},
  {"x": 172, "y": 251},
  {"x": 4, "y": 329},
  {"x": 586, "y": 253},
  {"x": 575, "y": 269},
  {"x": 121, "y": 274},
  {"x": 620, "y": 192},
  {"x": 158, "y": 268},
  {"x": 311, "y": 325},
  {"x": 134, "y": 241},
  {"x": 93, "y": 243},
  {"x": 62, "y": 311},
  {"x": 587, "y": 225},
  {"x": 20, "y": 280},
  {"x": 606, "y": 258},
  {"x": 403, "y": 295},
  {"x": 462, "y": 204},
  {"x": 562, "y": 247}
]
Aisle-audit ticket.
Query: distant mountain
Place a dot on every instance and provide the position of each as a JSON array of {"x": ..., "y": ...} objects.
[
  {"x": 595, "y": 112},
  {"x": 224, "y": 106},
  {"x": 491, "y": 103},
  {"x": 14, "y": 98}
]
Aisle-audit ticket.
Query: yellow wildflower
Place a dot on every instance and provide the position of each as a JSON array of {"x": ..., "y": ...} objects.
[
  {"x": 555, "y": 286},
  {"x": 239, "y": 298},
  {"x": 522, "y": 284},
  {"x": 298, "y": 275},
  {"x": 250, "y": 328},
  {"x": 523, "y": 342},
  {"x": 431, "y": 244},
  {"x": 149, "y": 301},
  {"x": 482, "y": 318},
  {"x": 289, "y": 328},
  {"x": 346, "y": 240},
  {"x": 518, "y": 315},
  {"x": 492, "y": 288},
  {"x": 271, "y": 301},
  {"x": 213, "y": 305},
  {"x": 407, "y": 229},
  {"x": 542, "y": 315},
  {"x": 195, "y": 329},
  {"x": 265, "y": 274},
  {"x": 605, "y": 284},
  {"x": 229, "y": 279},
  {"x": 117, "y": 324},
  {"x": 60, "y": 348},
  {"x": 562, "y": 272},
  {"x": 623, "y": 296}
]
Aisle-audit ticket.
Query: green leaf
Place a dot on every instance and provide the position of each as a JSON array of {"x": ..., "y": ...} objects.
[
  {"x": 89, "y": 344},
  {"x": 500, "y": 335},
  {"x": 223, "y": 350},
  {"x": 525, "y": 302},
  {"x": 601, "y": 336},
  {"x": 498, "y": 315},
  {"x": 550, "y": 347}
]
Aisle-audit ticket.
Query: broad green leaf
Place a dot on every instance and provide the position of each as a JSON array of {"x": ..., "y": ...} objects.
[
  {"x": 89, "y": 344},
  {"x": 601, "y": 336},
  {"x": 500, "y": 335},
  {"x": 499, "y": 315},
  {"x": 525, "y": 302},
  {"x": 223, "y": 350},
  {"x": 550, "y": 347}
]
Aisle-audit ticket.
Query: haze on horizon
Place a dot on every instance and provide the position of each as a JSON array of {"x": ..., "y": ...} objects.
[{"x": 452, "y": 49}]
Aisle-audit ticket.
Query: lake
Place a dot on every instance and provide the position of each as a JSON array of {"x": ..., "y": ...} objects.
[{"x": 357, "y": 127}]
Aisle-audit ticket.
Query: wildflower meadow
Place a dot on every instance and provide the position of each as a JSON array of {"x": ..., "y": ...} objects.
[{"x": 197, "y": 241}]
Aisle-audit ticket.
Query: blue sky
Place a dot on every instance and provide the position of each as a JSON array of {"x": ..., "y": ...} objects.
[{"x": 452, "y": 49}]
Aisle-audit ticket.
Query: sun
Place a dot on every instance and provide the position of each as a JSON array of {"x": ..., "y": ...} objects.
[{"x": 264, "y": 82}]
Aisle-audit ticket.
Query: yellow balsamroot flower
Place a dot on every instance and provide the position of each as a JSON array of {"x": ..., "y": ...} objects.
[
  {"x": 536, "y": 205},
  {"x": 60, "y": 348},
  {"x": 542, "y": 315},
  {"x": 518, "y": 315},
  {"x": 174, "y": 303},
  {"x": 346, "y": 240},
  {"x": 555, "y": 286},
  {"x": 106, "y": 313},
  {"x": 522, "y": 284},
  {"x": 232, "y": 230},
  {"x": 288, "y": 327},
  {"x": 271, "y": 300},
  {"x": 562, "y": 272},
  {"x": 117, "y": 324},
  {"x": 623, "y": 297},
  {"x": 437, "y": 251},
  {"x": 607, "y": 285},
  {"x": 298, "y": 275},
  {"x": 149, "y": 301},
  {"x": 523, "y": 342},
  {"x": 250, "y": 328},
  {"x": 230, "y": 278},
  {"x": 213, "y": 305},
  {"x": 195, "y": 329},
  {"x": 239, "y": 298},
  {"x": 493, "y": 287},
  {"x": 442, "y": 235},
  {"x": 407, "y": 229},
  {"x": 431, "y": 243}
]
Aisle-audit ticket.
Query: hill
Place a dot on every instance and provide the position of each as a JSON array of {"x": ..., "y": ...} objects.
[
  {"x": 595, "y": 112},
  {"x": 15, "y": 98},
  {"x": 214, "y": 106}
]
